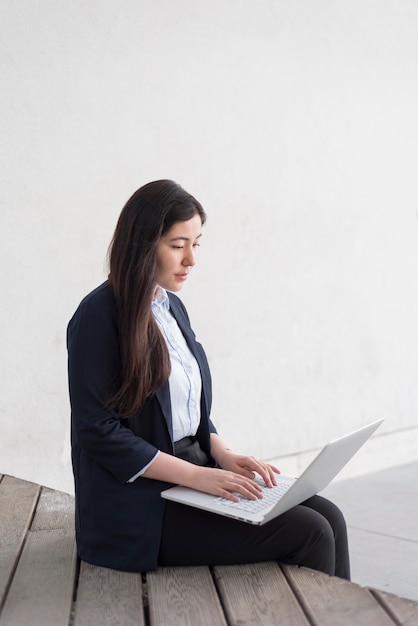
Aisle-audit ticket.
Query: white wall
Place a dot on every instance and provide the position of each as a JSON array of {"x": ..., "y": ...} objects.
[{"x": 295, "y": 124}]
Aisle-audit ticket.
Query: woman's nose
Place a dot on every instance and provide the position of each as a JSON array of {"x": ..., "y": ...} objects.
[{"x": 189, "y": 258}]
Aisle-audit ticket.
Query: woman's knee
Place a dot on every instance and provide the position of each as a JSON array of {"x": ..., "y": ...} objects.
[
  {"x": 330, "y": 511},
  {"x": 321, "y": 549},
  {"x": 305, "y": 537}
]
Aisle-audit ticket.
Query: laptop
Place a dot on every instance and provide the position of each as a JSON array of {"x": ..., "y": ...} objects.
[{"x": 289, "y": 491}]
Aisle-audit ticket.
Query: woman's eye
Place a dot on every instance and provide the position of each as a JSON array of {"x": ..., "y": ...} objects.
[{"x": 195, "y": 245}]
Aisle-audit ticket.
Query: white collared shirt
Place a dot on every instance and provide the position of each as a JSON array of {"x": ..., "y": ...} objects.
[{"x": 185, "y": 380}]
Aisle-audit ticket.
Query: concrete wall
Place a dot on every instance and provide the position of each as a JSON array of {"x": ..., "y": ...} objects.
[{"x": 295, "y": 124}]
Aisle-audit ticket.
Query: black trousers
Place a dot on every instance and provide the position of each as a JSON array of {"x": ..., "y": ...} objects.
[{"x": 312, "y": 534}]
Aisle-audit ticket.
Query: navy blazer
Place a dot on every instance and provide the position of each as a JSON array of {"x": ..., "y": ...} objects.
[{"x": 118, "y": 524}]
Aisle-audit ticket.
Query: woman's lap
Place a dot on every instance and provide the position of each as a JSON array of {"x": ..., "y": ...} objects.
[{"x": 311, "y": 534}]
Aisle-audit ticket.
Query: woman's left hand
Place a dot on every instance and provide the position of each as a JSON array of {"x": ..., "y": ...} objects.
[{"x": 247, "y": 466}]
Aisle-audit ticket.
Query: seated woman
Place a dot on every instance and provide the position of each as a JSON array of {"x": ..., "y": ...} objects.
[{"x": 140, "y": 391}]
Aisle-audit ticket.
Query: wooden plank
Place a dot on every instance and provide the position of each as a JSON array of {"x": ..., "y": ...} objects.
[
  {"x": 258, "y": 594},
  {"x": 331, "y": 601},
  {"x": 404, "y": 611},
  {"x": 42, "y": 588},
  {"x": 183, "y": 595},
  {"x": 17, "y": 502},
  {"x": 55, "y": 510},
  {"x": 108, "y": 597}
]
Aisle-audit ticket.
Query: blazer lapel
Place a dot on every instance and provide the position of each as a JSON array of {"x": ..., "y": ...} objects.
[{"x": 163, "y": 396}]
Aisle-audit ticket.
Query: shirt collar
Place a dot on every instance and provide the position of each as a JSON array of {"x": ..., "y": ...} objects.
[{"x": 161, "y": 298}]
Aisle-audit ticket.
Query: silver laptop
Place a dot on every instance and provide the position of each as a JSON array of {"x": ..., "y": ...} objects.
[{"x": 289, "y": 491}]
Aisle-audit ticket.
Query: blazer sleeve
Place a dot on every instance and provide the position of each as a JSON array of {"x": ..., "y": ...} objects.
[{"x": 93, "y": 370}]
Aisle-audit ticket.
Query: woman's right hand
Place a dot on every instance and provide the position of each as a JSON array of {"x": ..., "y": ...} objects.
[{"x": 226, "y": 484}]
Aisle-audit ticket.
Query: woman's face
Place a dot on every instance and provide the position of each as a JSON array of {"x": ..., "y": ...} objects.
[{"x": 176, "y": 253}]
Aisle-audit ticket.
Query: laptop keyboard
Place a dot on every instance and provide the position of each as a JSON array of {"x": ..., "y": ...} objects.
[{"x": 270, "y": 496}]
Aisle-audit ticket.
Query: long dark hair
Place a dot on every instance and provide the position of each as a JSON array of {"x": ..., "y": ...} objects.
[{"x": 149, "y": 213}]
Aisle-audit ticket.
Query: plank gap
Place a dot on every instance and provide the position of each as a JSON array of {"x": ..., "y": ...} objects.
[
  {"x": 12, "y": 574},
  {"x": 297, "y": 593},
  {"x": 145, "y": 599},
  {"x": 75, "y": 592},
  {"x": 31, "y": 509},
  {"x": 220, "y": 596},
  {"x": 385, "y": 606},
  {"x": 403, "y": 610}
]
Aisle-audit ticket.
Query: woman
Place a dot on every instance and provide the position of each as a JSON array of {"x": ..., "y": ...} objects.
[{"x": 140, "y": 392}]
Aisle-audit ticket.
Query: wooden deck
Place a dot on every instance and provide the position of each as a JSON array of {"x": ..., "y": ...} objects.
[{"x": 43, "y": 583}]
